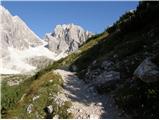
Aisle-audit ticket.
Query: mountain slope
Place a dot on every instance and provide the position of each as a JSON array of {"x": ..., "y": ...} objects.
[
  {"x": 110, "y": 61},
  {"x": 15, "y": 33},
  {"x": 125, "y": 64},
  {"x": 18, "y": 45},
  {"x": 122, "y": 62}
]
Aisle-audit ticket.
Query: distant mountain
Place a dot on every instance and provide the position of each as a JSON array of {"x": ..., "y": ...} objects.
[
  {"x": 15, "y": 33},
  {"x": 23, "y": 51},
  {"x": 66, "y": 38},
  {"x": 18, "y": 44}
]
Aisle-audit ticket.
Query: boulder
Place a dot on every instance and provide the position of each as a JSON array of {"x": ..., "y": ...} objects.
[
  {"x": 108, "y": 76},
  {"x": 147, "y": 71}
]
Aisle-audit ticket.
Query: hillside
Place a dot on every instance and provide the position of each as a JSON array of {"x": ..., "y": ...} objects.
[{"x": 114, "y": 74}]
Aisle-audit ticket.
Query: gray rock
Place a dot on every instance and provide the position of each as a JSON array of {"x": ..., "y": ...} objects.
[
  {"x": 15, "y": 33},
  {"x": 147, "y": 71},
  {"x": 29, "y": 108},
  {"x": 108, "y": 76},
  {"x": 50, "y": 109}
]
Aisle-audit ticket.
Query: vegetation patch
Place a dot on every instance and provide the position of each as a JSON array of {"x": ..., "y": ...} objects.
[
  {"x": 139, "y": 99},
  {"x": 36, "y": 94}
]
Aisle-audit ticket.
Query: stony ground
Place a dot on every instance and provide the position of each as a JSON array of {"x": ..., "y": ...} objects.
[{"x": 86, "y": 102}]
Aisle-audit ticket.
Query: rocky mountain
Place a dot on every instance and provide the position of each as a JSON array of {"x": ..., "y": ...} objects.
[
  {"x": 23, "y": 51},
  {"x": 15, "y": 33},
  {"x": 18, "y": 44},
  {"x": 66, "y": 38},
  {"x": 115, "y": 74}
]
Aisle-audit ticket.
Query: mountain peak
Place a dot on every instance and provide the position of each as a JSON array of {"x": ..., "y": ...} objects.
[
  {"x": 2, "y": 8},
  {"x": 16, "y": 36},
  {"x": 67, "y": 38},
  {"x": 15, "y": 32}
]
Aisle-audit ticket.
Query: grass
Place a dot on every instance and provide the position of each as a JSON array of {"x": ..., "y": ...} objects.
[
  {"x": 45, "y": 87},
  {"x": 11, "y": 94}
]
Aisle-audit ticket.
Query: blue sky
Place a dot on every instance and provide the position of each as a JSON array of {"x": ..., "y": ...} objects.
[{"x": 42, "y": 17}]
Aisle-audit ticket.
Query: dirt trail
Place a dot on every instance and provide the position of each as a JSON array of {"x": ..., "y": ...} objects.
[{"x": 86, "y": 103}]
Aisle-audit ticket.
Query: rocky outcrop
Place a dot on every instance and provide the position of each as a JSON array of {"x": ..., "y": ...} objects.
[
  {"x": 108, "y": 76},
  {"x": 15, "y": 33},
  {"x": 147, "y": 71},
  {"x": 101, "y": 72},
  {"x": 66, "y": 38}
]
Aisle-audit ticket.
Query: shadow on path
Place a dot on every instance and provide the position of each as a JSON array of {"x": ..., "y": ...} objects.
[{"x": 85, "y": 94}]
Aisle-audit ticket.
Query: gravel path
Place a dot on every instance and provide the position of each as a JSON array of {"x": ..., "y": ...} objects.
[{"x": 86, "y": 103}]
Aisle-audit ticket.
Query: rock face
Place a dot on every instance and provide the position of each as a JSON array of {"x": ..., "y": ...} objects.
[
  {"x": 66, "y": 38},
  {"x": 147, "y": 71},
  {"x": 19, "y": 45},
  {"x": 15, "y": 33}
]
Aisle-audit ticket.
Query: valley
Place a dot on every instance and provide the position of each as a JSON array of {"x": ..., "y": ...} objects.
[{"x": 81, "y": 75}]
